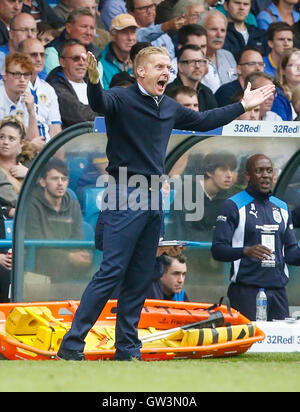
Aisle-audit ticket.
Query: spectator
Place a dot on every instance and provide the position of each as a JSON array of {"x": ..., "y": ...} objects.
[
  {"x": 296, "y": 101},
  {"x": 22, "y": 27},
  {"x": 125, "y": 79},
  {"x": 45, "y": 98},
  {"x": 55, "y": 214},
  {"x": 239, "y": 33},
  {"x": 258, "y": 79},
  {"x": 185, "y": 95},
  {"x": 250, "y": 19},
  {"x": 115, "y": 57},
  {"x": 101, "y": 36},
  {"x": 279, "y": 10},
  {"x": 46, "y": 33},
  {"x": 12, "y": 172},
  {"x": 68, "y": 81},
  {"x": 8, "y": 10},
  {"x": 250, "y": 60},
  {"x": 193, "y": 34},
  {"x": 170, "y": 285},
  {"x": 15, "y": 98},
  {"x": 42, "y": 11},
  {"x": 80, "y": 26},
  {"x": 254, "y": 231},
  {"x": 218, "y": 170},
  {"x": 109, "y": 9},
  {"x": 192, "y": 66},
  {"x": 287, "y": 78},
  {"x": 192, "y": 9},
  {"x": 280, "y": 38},
  {"x": 144, "y": 12},
  {"x": 222, "y": 64}
]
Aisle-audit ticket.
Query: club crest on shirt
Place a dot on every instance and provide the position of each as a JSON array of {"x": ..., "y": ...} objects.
[
  {"x": 43, "y": 98},
  {"x": 20, "y": 114},
  {"x": 277, "y": 216}
]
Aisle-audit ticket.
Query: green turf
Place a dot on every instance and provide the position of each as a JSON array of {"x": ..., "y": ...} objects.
[{"x": 248, "y": 372}]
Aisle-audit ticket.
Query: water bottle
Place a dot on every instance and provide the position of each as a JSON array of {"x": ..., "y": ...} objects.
[{"x": 261, "y": 305}]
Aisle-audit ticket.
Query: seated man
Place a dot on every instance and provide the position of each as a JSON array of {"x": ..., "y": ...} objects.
[
  {"x": 116, "y": 55},
  {"x": 185, "y": 95},
  {"x": 55, "y": 214},
  {"x": 169, "y": 282},
  {"x": 15, "y": 98},
  {"x": 45, "y": 98},
  {"x": 68, "y": 81},
  {"x": 80, "y": 26},
  {"x": 192, "y": 67},
  {"x": 218, "y": 170}
]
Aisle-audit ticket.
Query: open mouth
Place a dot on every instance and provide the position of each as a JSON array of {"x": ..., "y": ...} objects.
[{"x": 161, "y": 84}]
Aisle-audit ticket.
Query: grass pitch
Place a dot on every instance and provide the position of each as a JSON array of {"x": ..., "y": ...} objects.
[{"x": 250, "y": 372}]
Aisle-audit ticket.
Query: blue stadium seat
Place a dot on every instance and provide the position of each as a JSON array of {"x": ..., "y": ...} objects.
[
  {"x": 76, "y": 165},
  {"x": 88, "y": 231},
  {"x": 8, "y": 225},
  {"x": 72, "y": 193},
  {"x": 92, "y": 199}
]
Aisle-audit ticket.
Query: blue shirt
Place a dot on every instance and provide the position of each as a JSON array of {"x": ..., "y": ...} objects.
[
  {"x": 269, "y": 67},
  {"x": 264, "y": 19}
]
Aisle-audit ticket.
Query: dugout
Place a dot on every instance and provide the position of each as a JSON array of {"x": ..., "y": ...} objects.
[{"x": 83, "y": 147}]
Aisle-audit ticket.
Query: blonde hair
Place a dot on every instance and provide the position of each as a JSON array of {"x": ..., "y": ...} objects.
[
  {"x": 14, "y": 122},
  {"x": 280, "y": 76},
  {"x": 144, "y": 53}
]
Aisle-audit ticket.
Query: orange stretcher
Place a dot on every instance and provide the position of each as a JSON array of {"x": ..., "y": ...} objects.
[{"x": 34, "y": 330}]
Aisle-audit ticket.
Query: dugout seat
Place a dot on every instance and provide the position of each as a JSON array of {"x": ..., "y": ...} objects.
[{"x": 92, "y": 199}]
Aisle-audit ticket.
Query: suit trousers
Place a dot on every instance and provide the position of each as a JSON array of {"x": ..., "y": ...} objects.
[{"x": 130, "y": 240}]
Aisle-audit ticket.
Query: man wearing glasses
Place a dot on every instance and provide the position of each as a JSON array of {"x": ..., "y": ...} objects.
[
  {"x": 70, "y": 86},
  {"x": 22, "y": 26},
  {"x": 192, "y": 66},
  {"x": 15, "y": 98},
  {"x": 249, "y": 61},
  {"x": 8, "y": 10}
]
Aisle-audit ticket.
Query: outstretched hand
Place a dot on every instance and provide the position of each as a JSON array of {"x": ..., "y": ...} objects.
[
  {"x": 92, "y": 67},
  {"x": 253, "y": 98}
]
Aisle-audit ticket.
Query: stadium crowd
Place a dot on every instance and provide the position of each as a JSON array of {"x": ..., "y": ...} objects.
[{"x": 216, "y": 49}]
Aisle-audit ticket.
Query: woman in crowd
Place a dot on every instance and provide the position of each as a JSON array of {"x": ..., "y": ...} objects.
[
  {"x": 12, "y": 171},
  {"x": 287, "y": 79}
]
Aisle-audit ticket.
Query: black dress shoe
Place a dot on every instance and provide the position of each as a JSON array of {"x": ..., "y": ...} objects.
[{"x": 69, "y": 354}]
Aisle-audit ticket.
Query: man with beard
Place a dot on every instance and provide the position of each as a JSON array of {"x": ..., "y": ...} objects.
[
  {"x": 139, "y": 121},
  {"x": 54, "y": 214},
  {"x": 254, "y": 231}
]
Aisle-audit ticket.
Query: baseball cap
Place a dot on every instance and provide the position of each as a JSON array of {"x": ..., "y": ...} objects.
[{"x": 122, "y": 21}]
